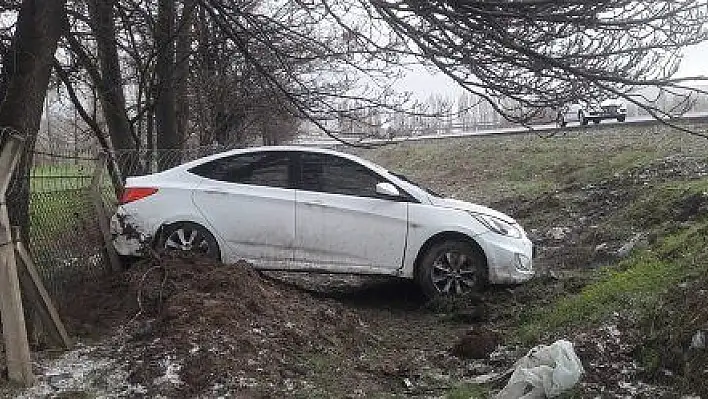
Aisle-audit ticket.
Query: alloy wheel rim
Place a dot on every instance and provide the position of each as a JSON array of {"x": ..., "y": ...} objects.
[
  {"x": 187, "y": 241},
  {"x": 453, "y": 272}
]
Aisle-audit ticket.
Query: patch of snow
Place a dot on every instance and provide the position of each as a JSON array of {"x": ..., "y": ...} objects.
[
  {"x": 635, "y": 241},
  {"x": 557, "y": 233},
  {"x": 484, "y": 378},
  {"x": 81, "y": 370},
  {"x": 171, "y": 372},
  {"x": 699, "y": 340}
]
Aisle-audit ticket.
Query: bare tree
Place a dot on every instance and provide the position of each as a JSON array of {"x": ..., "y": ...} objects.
[
  {"x": 545, "y": 53},
  {"x": 164, "y": 88},
  {"x": 309, "y": 58},
  {"x": 183, "y": 53},
  {"x": 109, "y": 80},
  {"x": 26, "y": 70}
]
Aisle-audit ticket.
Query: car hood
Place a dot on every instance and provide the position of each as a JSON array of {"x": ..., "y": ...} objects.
[{"x": 470, "y": 207}]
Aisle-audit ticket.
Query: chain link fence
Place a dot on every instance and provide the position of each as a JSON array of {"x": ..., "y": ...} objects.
[{"x": 52, "y": 199}]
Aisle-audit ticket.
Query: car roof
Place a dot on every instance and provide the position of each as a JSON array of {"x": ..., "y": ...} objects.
[
  {"x": 284, "y": 148},
  {"x": 412, "y": 189}
]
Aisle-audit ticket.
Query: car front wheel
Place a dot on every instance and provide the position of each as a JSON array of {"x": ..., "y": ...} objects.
[
  {"x": 452, "y": 268},
  {"x": 189, "y": 238}
]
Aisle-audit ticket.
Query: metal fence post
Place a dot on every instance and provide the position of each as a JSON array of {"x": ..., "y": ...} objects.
[
  {"x": 14, "y": 331},
  {"x": 101, "y": 214}
]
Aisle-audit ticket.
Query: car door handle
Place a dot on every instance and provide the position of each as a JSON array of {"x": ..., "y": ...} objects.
[{"x": 214, "y": 192}]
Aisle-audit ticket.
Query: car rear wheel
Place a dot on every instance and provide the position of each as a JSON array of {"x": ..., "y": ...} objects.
[
  {"x": 596, "y": 121},
  {"x": 452, "y": 267},
  {"x": 620, "y": 118},
  {"x": 187, "y": 238}
]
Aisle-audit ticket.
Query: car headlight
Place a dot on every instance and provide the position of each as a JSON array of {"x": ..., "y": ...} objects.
[{"x": 498, "y": 226}]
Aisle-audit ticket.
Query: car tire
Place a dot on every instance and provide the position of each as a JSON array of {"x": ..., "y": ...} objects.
[
  {"x": 452, "y": 267},
  {"x": 187, "y": 238},
  {"x": 596, "y": 121},
  {"x": 621, "y": 118},
  {"x": 581, "y": 117}
]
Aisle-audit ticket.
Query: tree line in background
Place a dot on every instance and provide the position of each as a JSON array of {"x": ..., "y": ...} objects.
[
  {"x": 63, "y": 131},
  {"x": 464, "y": 112}
]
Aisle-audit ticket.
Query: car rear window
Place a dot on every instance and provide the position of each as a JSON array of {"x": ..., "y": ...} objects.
[{"x": 269, "y": 169}]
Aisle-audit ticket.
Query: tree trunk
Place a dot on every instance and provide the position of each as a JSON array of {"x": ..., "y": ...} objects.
[
  {"x": 40, "y": 24},
  {"x": 110, "y": 82},
  {"x": 150, "y": 137},
  {"x": 205, "y": 66},
  {"x": 165, "y": 104},
  {"x": 184, "y": 40}
]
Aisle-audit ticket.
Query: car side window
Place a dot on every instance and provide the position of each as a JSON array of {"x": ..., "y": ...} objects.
[
  {"x": 336, "y": 175},
  {"x": 269, "y": 169}
]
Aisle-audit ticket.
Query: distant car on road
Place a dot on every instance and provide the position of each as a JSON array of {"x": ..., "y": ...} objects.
[
  {"x": 308, "y": 209},
  {"x": 584, "y": 112}
]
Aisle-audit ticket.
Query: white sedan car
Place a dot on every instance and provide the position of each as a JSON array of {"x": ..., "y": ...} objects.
[
  {"x": 308, "y": 209},
  {"x": 585, "y": 112}
]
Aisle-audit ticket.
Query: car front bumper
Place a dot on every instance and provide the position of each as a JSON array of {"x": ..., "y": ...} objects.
[
  {"x": 606, "y": 113},
  {"x": 510, "y": 260}
]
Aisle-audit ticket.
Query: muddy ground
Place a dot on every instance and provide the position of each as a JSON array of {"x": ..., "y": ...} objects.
[{"x": 188, "y": 328}]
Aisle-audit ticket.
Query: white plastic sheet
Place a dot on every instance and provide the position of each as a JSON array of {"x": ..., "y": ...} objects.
[{"x": 544, "y": 372}]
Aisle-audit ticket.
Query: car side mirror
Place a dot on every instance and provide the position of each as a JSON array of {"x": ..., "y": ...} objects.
[{"x": 387, "y": 189}]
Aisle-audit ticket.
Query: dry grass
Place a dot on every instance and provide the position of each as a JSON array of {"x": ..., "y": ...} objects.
[{"x": 488, "y": 169}]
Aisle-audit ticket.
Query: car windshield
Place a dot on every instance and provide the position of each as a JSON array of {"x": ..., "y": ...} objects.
[{"x": 407, "y": 180}]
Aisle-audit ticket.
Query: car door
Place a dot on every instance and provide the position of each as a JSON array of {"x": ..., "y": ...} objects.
[
  {"x": 342, "y": 225},
  {"x": 250, "y": 201}
]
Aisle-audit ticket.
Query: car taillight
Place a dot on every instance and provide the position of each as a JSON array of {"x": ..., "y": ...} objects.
[{"x": 131, "y": 194}]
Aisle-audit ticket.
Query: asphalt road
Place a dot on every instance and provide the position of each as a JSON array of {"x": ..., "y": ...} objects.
[{"x": 543, "y": 129}]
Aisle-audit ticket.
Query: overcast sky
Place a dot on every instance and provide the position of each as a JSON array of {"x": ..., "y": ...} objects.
[
  {"x": 695, "y": 61},
  {"x": 424, "y": 83}
]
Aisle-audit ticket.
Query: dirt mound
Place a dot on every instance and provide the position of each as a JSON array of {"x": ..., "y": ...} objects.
[
  {"x": 588, "y": 224},
  {"x": 96, "y": 309},
  {"x": 192, "y": 327},
  {"x": 167, "y": 289}
]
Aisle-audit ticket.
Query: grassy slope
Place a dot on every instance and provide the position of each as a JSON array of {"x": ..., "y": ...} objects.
[
  {"x": 651, "y": 287},
  {"x": 490, "y": 169},
  {"x": 639, "y": 283}
]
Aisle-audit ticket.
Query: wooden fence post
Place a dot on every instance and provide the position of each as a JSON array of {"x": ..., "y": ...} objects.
[
  {"x": 101, "y": 214},
  {"x": 36, "y": 294},
  {"x": 19, "y": 368}
]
